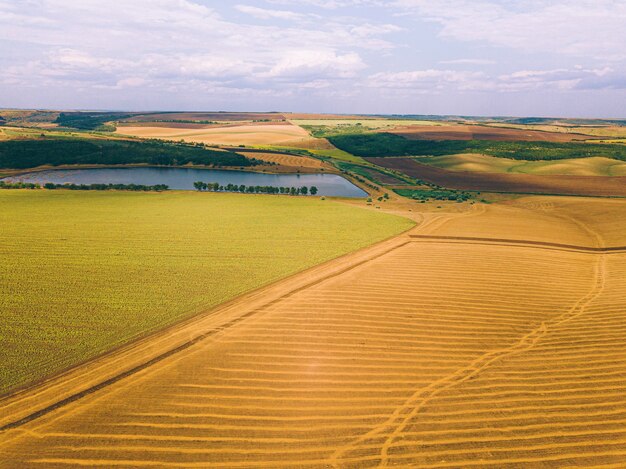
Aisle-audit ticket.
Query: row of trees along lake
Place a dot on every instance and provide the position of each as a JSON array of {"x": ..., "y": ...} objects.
[
  {"x": 84, "y": 187},
  {"x": 217, "y": 187}
]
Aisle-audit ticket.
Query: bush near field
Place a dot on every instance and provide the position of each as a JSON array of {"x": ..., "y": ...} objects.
[
  {"x": 89, "y": 121},
  {"x": 436, "y": 194},
  {"x": 386, "y": 144},
  {"x": 21, "y": 154}
]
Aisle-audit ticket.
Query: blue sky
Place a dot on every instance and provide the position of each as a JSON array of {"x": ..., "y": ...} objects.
[{"x": 481, "y": 57}]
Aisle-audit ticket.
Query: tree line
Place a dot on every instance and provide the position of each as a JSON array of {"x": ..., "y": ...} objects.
[
  {"x": 217, "y": 187},
  {"x": 387, "y": 144},
  {"x": 22, "y": 154},
  {"x": 85, "y": 187}
]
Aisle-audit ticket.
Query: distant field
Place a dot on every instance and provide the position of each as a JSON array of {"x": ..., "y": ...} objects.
[
  {"x": 514, "y": 183},
  {"x": 29, "y": 118},
  {"x": 480, "y": 132},
  {"x": 82, "y": 272},
  {"x": 249, "y": 134},
  {"x": 593, "y": 166},
  {"x": 387, "y": 144},
  {"x": 595, "y": 130},
  {"x": 210, "y": 116},
  {"x": 367, "y": 123},
  {"x": 285, "y": 160}
]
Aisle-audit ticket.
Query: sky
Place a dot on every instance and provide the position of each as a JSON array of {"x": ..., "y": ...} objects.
[{"x": 559, "y": 58}]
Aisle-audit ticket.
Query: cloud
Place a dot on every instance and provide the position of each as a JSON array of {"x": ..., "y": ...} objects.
[
  {"x": 315, "y": 63},
  {"x": 329, "y": 4},
  {"x": 468, "y": 62},
  {"x": 521, "y": 81},
  {"x": 265, "y": 14},
  {"x": 168, "y": 42},
  {"x": 426, "y": 80},
  {"x": 312, "y": 53},
  {"x": 583, "y": 28},
  {"x": 577, "y": 78}
]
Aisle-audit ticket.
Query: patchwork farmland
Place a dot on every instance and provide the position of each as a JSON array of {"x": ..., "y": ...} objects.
[
  {"x": 507, "y": 182},
  {"x": 276, "y": 134},
  {"x": 480, "y": 132}
]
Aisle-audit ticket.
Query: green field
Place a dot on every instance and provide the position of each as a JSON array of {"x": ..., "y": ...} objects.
[{"x": 82, "y": 272}]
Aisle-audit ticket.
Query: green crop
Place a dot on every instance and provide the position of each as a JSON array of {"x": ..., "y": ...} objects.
[{"x": 82, "y": 272}]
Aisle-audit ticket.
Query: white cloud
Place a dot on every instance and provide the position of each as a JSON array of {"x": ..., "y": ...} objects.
[
  {"x": 265, "y": 14},
  {"x": 584, "y": 28},
  {"x": 522, "y": 81},
  {"x": 468, "y": 62},
  {"x": 329, "y": 4},
  {"x": 166, "y": 42},
  {"x": 561, "y": 79},
  {"x": 368, "y": 29},
  {"x": 313, "y": 63},
  {"x": 426, "y": 80}
]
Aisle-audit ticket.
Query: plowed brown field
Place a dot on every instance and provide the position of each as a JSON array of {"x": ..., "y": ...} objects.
[
  {"x": 479, "y": 132},
  {"x": 439, "y": 348},
  {"x": 506, "y": 182}
]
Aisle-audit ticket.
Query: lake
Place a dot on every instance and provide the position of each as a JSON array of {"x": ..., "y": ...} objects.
[{"x": 183, "y": 179}]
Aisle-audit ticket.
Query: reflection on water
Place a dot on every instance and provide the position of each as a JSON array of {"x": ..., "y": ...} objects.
[{"x": 183, "y": 179}]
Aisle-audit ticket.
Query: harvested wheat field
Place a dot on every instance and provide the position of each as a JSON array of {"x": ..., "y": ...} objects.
[
  {"x": 438, "y": 348},
  {"x": 479, "y": 132},
  {"x": 279, "y": 134},
  {"x": 283, "y": 159},
  {"x": 207, "y": 116}
]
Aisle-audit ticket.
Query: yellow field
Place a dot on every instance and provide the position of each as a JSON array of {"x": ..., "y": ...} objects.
[
  {"x": 285, "y": 160},
  {"x": 592, "y": 166},
  {"x": 424, "y": 351},
  {"x": 262, "y": 134}
]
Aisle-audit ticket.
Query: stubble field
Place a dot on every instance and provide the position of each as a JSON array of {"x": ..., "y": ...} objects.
[
  {"x": 278, "y": 134},
  {"x": 82, "y": 272},
  {"x": 282, "y": 159}
]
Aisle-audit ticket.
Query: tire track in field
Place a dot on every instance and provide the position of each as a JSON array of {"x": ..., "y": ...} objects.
[{"x": 402, "y": 415}]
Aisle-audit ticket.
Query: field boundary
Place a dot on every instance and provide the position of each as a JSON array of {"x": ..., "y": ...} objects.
[
  {"x": 522, "y": 243},
  {"x": 53, "y": 393}
]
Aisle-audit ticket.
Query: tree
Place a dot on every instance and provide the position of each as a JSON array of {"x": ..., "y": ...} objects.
[
  {"x": 304, "y": 190},
  {"x": 198, "y": 185},
  {"x": 313, "y": 190}
]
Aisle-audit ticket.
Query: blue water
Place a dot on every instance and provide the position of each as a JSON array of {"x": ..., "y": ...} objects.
[{"x": 183, "y": 179}]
